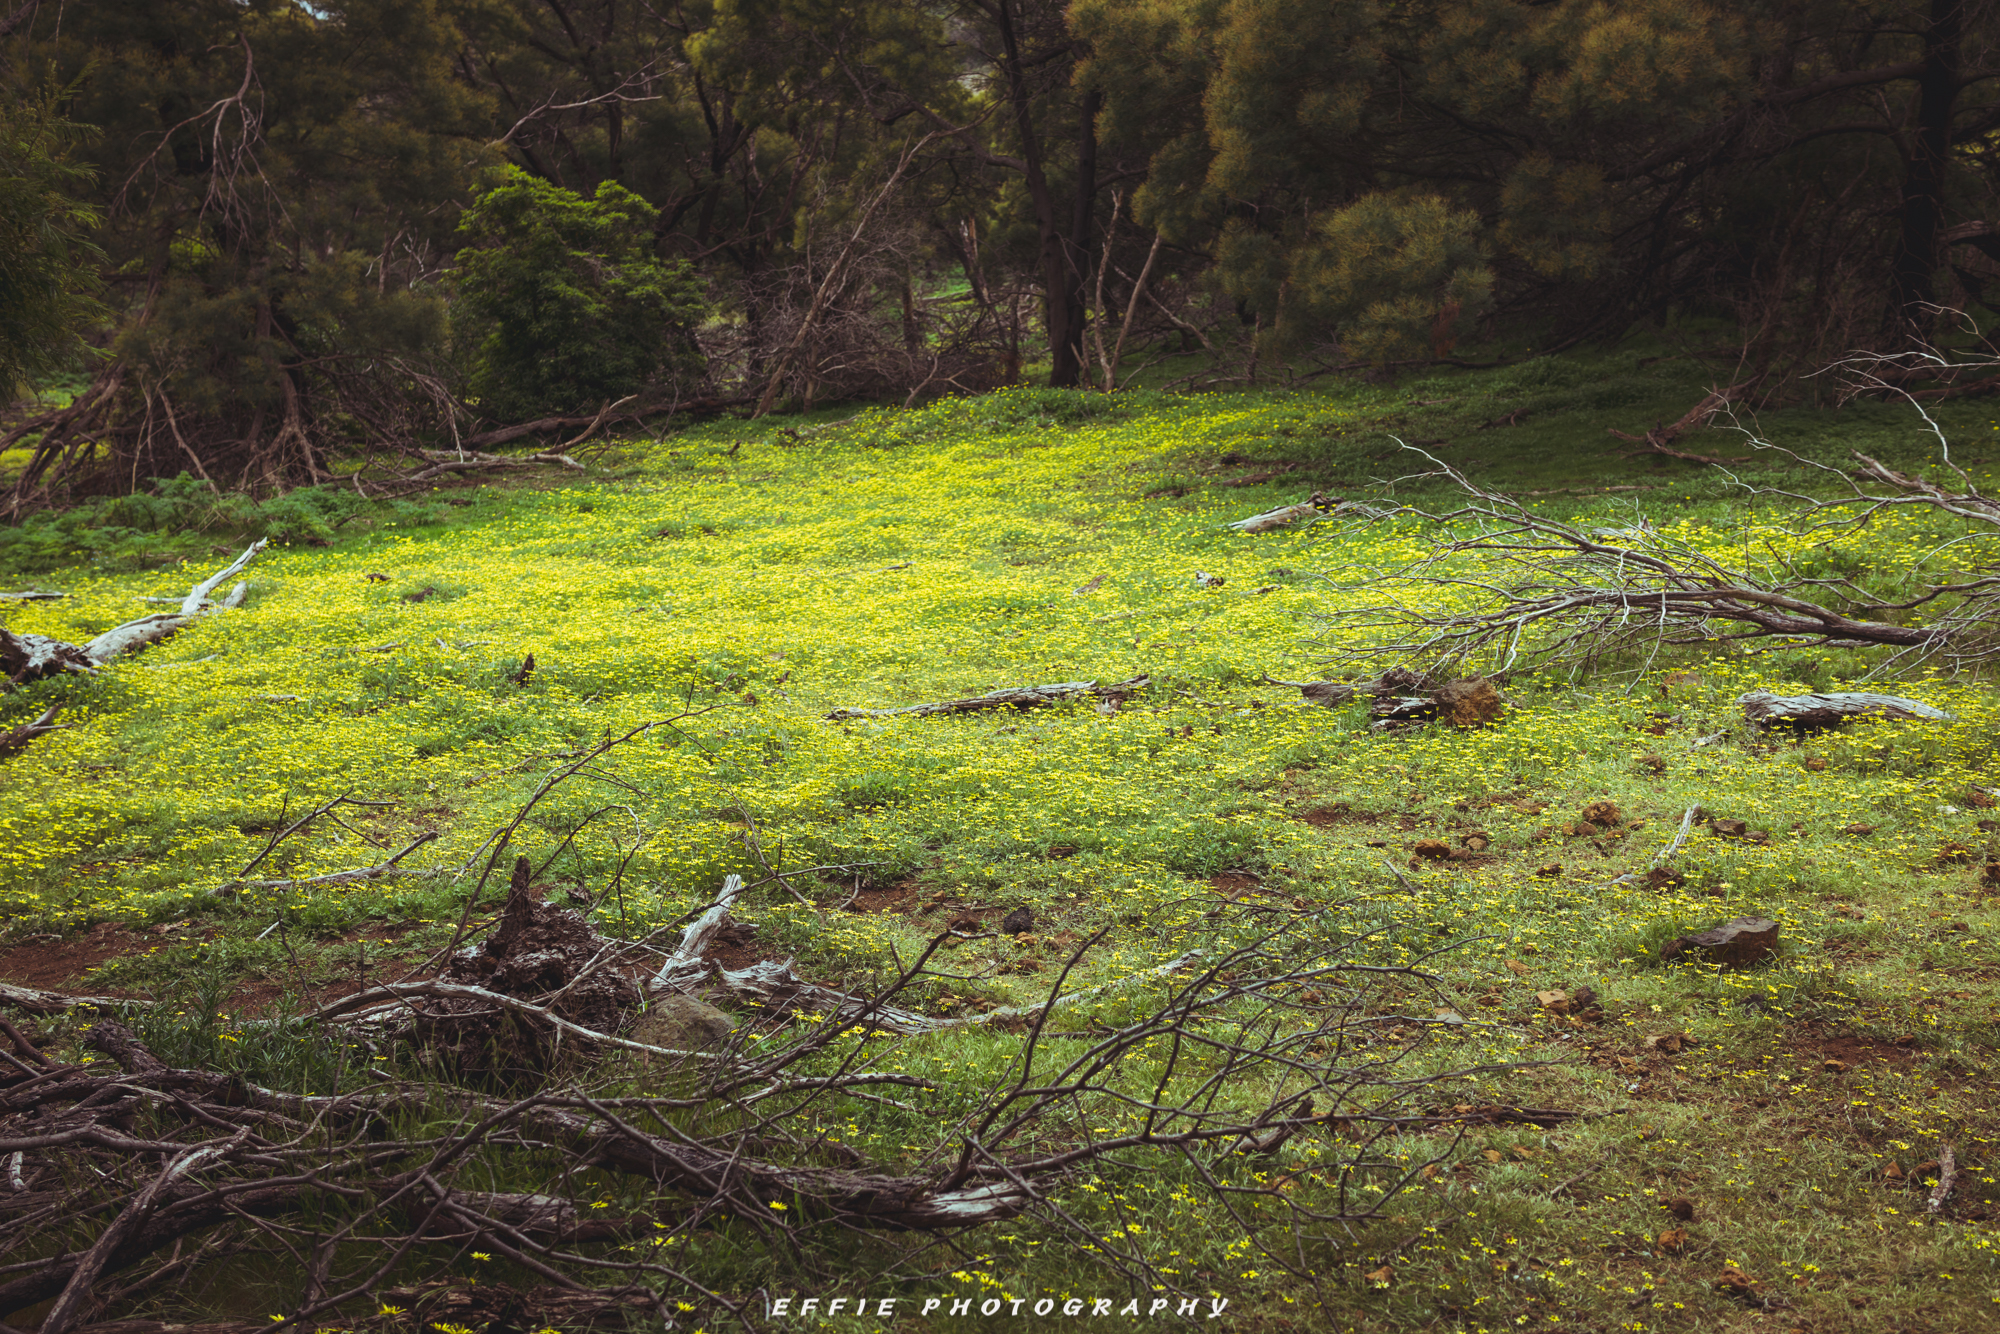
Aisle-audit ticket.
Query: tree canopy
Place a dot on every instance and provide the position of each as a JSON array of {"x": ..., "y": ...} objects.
[{"x": 882, "y": 197}]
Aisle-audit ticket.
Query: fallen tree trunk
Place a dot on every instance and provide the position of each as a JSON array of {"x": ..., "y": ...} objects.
[
  {"x": 1285, "y": 515},
  {"x": 1017, "y": 697},
  {"x": 31, "y": 657},
  {"x": 1764, "y": 708}
]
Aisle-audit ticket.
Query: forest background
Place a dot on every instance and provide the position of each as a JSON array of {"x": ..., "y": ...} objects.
[{"x": 862, "y": 354}]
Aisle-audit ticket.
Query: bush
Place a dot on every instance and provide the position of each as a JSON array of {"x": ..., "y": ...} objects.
[{"x": 574, "y": 309}]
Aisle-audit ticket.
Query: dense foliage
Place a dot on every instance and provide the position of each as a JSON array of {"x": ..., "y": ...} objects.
[
  {"x": 575, "y": 310},
  {"x": 886, "y": 197}
]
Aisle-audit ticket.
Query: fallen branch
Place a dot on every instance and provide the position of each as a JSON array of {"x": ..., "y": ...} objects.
[
  {"x": 1286, "y": 515},
  {"x": 1511, "y": 590},
  {"x": 32, "y": 596},
  {"x": 1661, "y": 438},
  {"x": 1764, "y": 708},
  {"x": 31, "y": 657},
  {"x": 19, "y": 737},
  {"x": 1018, "y": 697}
]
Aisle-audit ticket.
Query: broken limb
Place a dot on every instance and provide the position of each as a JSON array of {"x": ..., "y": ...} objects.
[
  {"x": 1660, "y": 440},
  {"x": 32, "y": 657},
  {"x": 1286, "y": 515},
  {"x": 1764, "y": 708},
  {"x": 19, "y": 737},
  {"x": 1018, "y": 697},
  {"x": 1511, "y": 590}
]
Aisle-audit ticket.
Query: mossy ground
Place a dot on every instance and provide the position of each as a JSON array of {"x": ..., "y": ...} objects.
[{"x": 909, "y": 556}]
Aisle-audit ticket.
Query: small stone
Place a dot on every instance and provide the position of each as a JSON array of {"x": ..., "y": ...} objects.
[
  {"x": 1476, "y": 841},
  {"x": 1018, "y": 922},
  {"x": 1834, "y": 1067},
  {"x": 1729, "y": 828},
  {"x": 1858, "y": 830},
  {"x": 682, "y": 1023},
  {"x": 1549, "y": 872},
  {"x": 1673, "y": 1240},
  {"x": 1433, "y": 849},
  {"x": 1734, "y": 944},
  {"x": 1604, "y": 814}
]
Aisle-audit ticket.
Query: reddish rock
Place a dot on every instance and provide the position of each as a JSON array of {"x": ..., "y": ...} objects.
[{"x": 1736, "y": 944}]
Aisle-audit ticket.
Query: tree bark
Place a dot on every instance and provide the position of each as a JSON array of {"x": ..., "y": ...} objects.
[{"x": 1925, "y": 170}]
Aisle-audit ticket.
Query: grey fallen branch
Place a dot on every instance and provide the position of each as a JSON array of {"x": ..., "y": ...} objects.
[
  {"x": 1764, "y": 708},
  {"x": 1504, "y": 585},
  {"x": 1017, "y": 697},
  {"x": 1285, "y": 516},
  {"x": 31, "y": 595},
  {"x": 25, "y": 657},
  {"x": 447, "y": 461}
]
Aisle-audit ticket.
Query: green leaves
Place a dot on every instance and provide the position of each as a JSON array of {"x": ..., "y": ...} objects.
[
  {"x": 576, "y": 310},
  {"x": 47, "y": 259},
  {"x": 1396, "y": 277}
]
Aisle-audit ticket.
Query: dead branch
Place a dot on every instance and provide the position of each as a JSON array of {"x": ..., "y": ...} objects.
[
  {"x": 1510, "y": 590},
  {"x": 19, "y": 737},
  {"x": 1661, "y": 438},
  {"x": 1315, "y": 508},
  {"x": 1016, "y": 697},
  {"x": 1764, "y": 708},
  {"x": 31, "y": 657}
]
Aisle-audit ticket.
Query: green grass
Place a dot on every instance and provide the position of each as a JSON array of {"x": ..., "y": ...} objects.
[{"x": 919, "y": 555}]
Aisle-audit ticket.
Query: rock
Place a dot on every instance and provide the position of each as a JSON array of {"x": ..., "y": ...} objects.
[
  {"x": 1729, "y": 828},
  {"x": 1477, "y": 840},
  {"x": 1473, "y": 702},
  {"x": 1735, "y": 944},
  {"x": 1433, "y": 849},
  {"x": 1858, "y": 830},
  {"x": 682, "y": 1023},
  {"x": 1603, "y": 814},
  {"x": 1018, "y": 922},
  {"x": 1549, "y": 872}
]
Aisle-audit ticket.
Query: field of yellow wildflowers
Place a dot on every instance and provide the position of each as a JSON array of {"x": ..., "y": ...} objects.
[{"x": 1028, "y": 538}]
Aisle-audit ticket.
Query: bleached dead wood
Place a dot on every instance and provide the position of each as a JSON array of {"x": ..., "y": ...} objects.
[
  {"x": 444, "y": 461},
  {"x": 32, "y": 596},
  {"x": 688, "y": 964},
  {"x": 32, "y": 657},
  {"x": 1286, "y": 515},
  {"x": 36, "y": 1001},
  {"x": 1016, "y": 697},
  {"x": 1764, "y": 708}
]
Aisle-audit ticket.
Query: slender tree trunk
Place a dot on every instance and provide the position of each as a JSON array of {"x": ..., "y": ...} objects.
[{"x": 1924, "y": 175}]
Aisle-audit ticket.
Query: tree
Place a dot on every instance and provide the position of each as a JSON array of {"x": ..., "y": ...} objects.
[
  {"x": 1817, "y": 170},
  {"x": 576, "y": 310},
  {"x": 278, "y": 186},
  {"x": 47, "y": 258}
]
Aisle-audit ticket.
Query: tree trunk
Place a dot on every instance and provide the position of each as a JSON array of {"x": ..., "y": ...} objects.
[{"x": 1924, "y": 174}]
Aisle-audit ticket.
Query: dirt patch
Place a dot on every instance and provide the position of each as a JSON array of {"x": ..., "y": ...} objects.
[
  {"x": 902, "y": 897},
  {"x": 49, "y": 963},
  {"x": 1326, "y": 817},
  {"x": 1852, "y": 1051},
  {"x": 1235, "y": 884}
]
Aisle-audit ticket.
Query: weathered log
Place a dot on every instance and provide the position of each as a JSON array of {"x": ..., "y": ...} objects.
[
  {"x": 1764, "y": 708},
  {"x": 19, "y": 737},
  {"x": 36, "y": 1001},
  {"x": 31, "y": 657},
  {"x": 688, "y": 964},
  {"x": 31, "y": 596},
  {"x": 1285, "y": 515},
  {"x": 1016, "y": 697}
]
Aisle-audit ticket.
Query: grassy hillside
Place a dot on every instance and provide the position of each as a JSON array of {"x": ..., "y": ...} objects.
[{"x": 771, "y": 575}]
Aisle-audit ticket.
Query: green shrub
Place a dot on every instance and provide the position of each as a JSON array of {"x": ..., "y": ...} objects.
[{"x": 573, "y": 308}]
